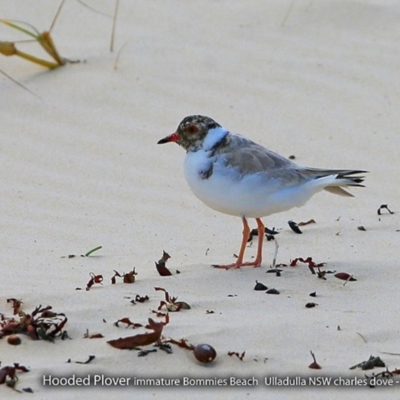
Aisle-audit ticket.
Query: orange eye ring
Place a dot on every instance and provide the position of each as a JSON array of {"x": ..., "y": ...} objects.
[{"x": 192, "y": 129}]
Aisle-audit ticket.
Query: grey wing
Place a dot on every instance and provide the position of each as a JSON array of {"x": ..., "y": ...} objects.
[{"x": 249, "y": 157}]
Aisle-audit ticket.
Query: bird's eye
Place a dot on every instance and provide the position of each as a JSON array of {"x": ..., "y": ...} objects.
[{"x": 191, "y": 129}]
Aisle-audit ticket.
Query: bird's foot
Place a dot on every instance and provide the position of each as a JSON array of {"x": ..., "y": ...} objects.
[{"x": 236, "y": 265}]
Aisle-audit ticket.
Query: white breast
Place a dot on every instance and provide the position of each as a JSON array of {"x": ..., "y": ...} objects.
[{"x": 227, "y": 192}]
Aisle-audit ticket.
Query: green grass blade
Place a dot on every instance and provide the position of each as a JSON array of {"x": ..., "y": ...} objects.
[
  {"x": 15, "y": 26},
  {"x": 93, "y": 250}
]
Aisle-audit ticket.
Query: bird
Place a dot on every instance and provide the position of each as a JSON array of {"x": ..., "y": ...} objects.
[{"x": 234, "y": 175}]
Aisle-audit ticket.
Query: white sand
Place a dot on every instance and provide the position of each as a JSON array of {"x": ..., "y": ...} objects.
[{"x": 81, "y": 168}]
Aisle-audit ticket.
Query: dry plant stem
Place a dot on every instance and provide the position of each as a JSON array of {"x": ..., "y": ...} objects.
[
  {"x": 350, "y": 276},
  {"x": 20, "y": 84},
  {"x": 56, "y": 16},
  {"x": 8, "y": 49},
  {"x": 47, "y": 43},
  {"x": 362, "y": 337},
  {"x": 118, "y": 55},
  {"x": 44, "y": 39},
  {"x": 44, "y": 63},
  {"x": 275, "y": 253},
  {"x": 261, "y": 230},
  {"x": 289, "y": 10},
  {"x": 114, "y": 24}
]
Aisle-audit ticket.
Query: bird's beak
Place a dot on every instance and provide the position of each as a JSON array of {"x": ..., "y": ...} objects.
[{"x": 171, "y": 138}]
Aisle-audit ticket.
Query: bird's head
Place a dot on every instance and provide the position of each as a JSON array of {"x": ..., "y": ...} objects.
[{"x": 191, "y": 132}]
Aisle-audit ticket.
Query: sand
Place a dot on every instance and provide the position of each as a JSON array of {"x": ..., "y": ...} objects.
[{"x": 81, "y": 168}]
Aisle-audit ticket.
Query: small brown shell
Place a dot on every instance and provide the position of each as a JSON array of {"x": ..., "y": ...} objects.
[
  {"x": 294, "y": 227},
  {"x": 311, "y": 305},
  {"x": 14, "y": 340},
  {"x": 314, "y": 365},
  {"x": 179, "y": 305},
  {"x": 344, "y": 276},
  {"x": 260, "y": 286},
  {"x": 204, "y": 353},
  {"x": 183, "y": 305}
]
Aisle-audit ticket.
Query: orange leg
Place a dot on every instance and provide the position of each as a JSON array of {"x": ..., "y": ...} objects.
[
  {"x": 246, "y": 233},
  {"x": 261, "y": 233}
]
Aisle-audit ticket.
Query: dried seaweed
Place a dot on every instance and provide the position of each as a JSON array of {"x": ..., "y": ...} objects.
[
  {"x": 321, "y": 274},
  {"x": 294, "y": 227},
  {"x": 372, "y": 380},
  {"x": 310, "y": 221},
  {"x": 140, "y": 299},
  {"x": 314, "y": 364},
  {"x": 171, "y": 303},
  {"x": 269, "y": 234},
  {"x": 236, "y": 354},
  {"x": 8, "y": 374},
  {"x": 371, "y": 363},
  {"x": 166, "y": 347},
  {"x": 161, "y": 265},
  {"x": 143, "y": 353},
  {"x": 311, "y": 264},
  {"x": 183, "y": 343},
  {"x": 144, "y": 339},
  {"x": 127, "y": 278},
  {"x": 94, "y": 279},
  {"x": 89, "y": 360},
  {"x": 128, "y": 323},
  {"x": 384, "y": 207},
  {"x": 40, "y": 324},
  {"x": 16, "y": 305},
  {"x": 88, "y": 335}
]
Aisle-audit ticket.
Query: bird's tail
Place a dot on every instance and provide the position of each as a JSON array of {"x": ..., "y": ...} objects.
[{"x": 345, "y": 178}]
